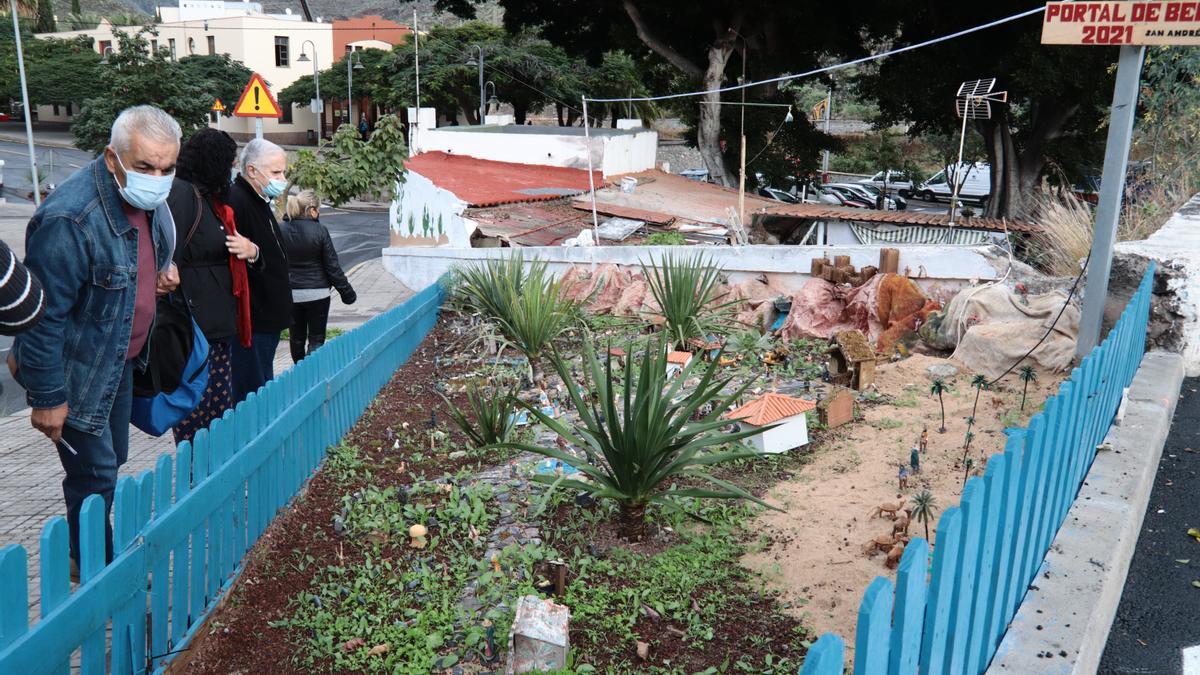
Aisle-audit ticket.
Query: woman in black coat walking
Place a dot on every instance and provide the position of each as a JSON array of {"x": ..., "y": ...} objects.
[
  {"x": 212, "y": 258},
  {"x": 312, "y": 269}
]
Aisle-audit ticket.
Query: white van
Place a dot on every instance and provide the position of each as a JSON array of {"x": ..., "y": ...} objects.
[{"x": 976, "y": 185}]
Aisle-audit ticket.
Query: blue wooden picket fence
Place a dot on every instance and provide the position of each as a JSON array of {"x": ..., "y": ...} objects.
[
  {"x": 951, "y": 619},
  {"x": 181, "y": 530}
]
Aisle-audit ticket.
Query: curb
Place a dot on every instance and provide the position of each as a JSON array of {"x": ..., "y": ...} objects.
[
  {"x": 1064, "y": 620},
  {"x": 12, "y": 138}
]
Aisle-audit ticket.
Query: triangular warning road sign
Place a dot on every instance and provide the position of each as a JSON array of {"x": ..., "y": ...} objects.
[{"x": 256, "y": 100}]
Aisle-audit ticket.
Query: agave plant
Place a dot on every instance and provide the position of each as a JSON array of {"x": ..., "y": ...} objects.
[
  {"x": 639, "y": 437},
  {"x": 688, "y": 292},
  {"x": 528, "y": 306},
  {"x": 492, "y": 410}
]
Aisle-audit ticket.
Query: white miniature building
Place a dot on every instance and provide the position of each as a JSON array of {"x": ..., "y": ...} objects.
[
  {"x": 676, "y": 362},
  {"x": 790, "y": 414}
]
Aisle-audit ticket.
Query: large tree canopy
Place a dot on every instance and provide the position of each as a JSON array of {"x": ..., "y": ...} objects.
[
  {"x": 1058, "y": 95},
  {"x": 702, "y": 40},
  {"x": 218, "y": 77}
]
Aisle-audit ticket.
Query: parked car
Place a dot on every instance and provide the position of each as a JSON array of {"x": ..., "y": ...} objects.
[
  {"x": 778, "y": 195},
  {"x": 869, "y": 195},
  {"x": 847, "y": 196},
  {"x": 891, "y": 181},
  {"x": 976, "y": 184}
]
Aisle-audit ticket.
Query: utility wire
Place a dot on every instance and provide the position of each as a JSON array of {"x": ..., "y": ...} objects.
[{"x": 837, "y": 66}]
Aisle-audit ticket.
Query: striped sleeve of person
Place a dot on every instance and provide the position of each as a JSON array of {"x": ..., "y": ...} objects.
[{"x": 21, "y": 298}]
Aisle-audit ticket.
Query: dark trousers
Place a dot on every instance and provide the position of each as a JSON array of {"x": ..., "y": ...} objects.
[
  {"x": 253, "y": 366},
  {"x": 308, "y": 325},
  {"x": 93, "y": 471}
]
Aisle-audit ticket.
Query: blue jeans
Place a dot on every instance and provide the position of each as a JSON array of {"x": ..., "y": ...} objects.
[
  {"x": 94, "y": 470},
  {"x": 253, "y": 366}
]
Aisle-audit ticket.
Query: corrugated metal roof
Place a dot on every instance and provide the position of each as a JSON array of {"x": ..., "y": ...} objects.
[
  {"x": 481, "y": 182},
  {"x": 770, "y": 408},
  {"x": 541, "y": 224},
  {"x": 824, "y": 212},
  {"x": 661, "y": 197}
]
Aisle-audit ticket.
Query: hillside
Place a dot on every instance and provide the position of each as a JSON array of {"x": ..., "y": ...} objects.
[{"x": 326, "y": 9}]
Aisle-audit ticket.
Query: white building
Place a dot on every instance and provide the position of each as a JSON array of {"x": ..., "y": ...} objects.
[
  {"x": 268, "y": 44},
  {"x": 791, "y": 414}
]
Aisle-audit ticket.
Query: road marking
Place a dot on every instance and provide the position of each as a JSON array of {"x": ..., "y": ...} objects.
[{"x": 1191, "y": 660}]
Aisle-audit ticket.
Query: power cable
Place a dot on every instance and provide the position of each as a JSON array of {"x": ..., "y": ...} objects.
[{"x": 837, "y": 66}]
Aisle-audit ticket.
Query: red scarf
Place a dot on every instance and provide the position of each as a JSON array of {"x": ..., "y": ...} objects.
[{"x": 237, "y": 269}]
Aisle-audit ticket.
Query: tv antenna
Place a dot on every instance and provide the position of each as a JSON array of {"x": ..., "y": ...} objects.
[{"x": 972, "y": 102}]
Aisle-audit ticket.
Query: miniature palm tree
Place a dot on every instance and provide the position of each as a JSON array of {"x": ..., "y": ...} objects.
[
  {"x": 970, "y": 463},
  {"x": 638, "y": 434},
  {"x": 980, "y": 383},
  {"x": 939, "y": 388},
  {"x": 924, "y": 509},
  {"x": 967, "y": 444},
  {"x": 1027, "y": 375}
]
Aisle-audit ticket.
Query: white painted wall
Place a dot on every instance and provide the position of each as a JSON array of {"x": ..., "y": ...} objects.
[
  {"x": 947, "y": 269},
  {"x": 612, "y": 154},
  {"x": 791, "y": 434},
  {"x": 422, "y": 209}
]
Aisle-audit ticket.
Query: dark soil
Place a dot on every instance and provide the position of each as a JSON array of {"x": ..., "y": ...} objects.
[{"x": 239, "y": 636}]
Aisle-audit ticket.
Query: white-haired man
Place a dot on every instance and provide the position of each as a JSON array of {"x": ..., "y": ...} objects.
[
  {"x": 262, "y": 179},
  {"x": 101, "y": 244}
]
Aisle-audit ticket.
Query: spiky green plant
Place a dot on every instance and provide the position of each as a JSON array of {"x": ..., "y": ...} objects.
[
  {"x": 1027, "y": 375},
  {"x": 924, "y": 509},
  {"x": 529, "y": 306},
  {"x": 637, "y": 432},
  {"x": 688, "y": 292},
  {"x": 939, "y": 387},
  {"x": 492, "y": 412}
]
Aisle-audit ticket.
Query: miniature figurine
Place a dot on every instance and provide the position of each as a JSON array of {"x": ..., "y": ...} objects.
[
  {"x": 924, "y": 439},
  {"x": 903, "y": 477},
  {"x": 914, "y": 459}
]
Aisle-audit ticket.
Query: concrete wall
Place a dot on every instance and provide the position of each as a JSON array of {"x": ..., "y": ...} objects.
[
  {"x": 1175, "y": 308},
  {"x": 782, "y": 438},
  {"x": 947, "y": 269},
  {"x": 612, "y": 153},
  {"x": 426, "y": 215}
]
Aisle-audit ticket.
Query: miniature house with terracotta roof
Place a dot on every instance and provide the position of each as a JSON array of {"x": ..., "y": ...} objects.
[
  {"x": 676, "y": 362},
  {"x": 851, "y": 360},
  {"x": 790, "y": 414}
]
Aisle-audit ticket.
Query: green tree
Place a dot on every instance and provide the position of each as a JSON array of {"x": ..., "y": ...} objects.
[
  {"x": 61, "y": 71},
  {"x": 136, "y": 77},
  {"x": 924, "y": 509},
  {"x": 347, "y": 167},
  {"x": 708, "y": 43},
  {"x": 938, "y": 388},
  {"x": 1057, "y": 95},
  {"x": 45, "y": 17},
  {"x": 369, "y": 82},
  {"x": 75, "y": 11},
  {"x": 1027, "y": 375},
  {"x": 218, "y": 76}
]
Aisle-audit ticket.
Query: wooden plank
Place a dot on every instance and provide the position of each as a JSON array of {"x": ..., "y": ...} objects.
[
  {"x": 825, "y": 657},
  {"x": 934, "y": 642},
  {"x": 909, "y": 618},
  {"x": 124, "y": 515},
  {"x": 974, "y": 498},
  {"x": 160, "y": 569},
  {"x": 1032, "y": 555},
  {"x": 91, "y": 561},
  {"x": 55, "y": 557},
  {"x": 999, "y": 616},
  {"x": 181, "y": 554},
  {"x": 14, "y": 594},
  {"x": 871, "y": 642},
  {"x": 979, "y": 649}
]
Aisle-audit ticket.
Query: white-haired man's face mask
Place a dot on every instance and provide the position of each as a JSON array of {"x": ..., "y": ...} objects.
[{"x": 144, "y": 170}]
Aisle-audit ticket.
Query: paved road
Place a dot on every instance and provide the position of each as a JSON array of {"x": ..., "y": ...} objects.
[
  {"x": 56, "y": 163},
  {"x": 1159, "y": 614}
]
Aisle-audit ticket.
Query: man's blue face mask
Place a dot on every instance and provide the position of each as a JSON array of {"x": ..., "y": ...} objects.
[{"x": 143, "y": 191}]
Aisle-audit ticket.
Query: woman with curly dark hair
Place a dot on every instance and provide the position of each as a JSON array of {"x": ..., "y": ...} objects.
[{"x": 212, "y": 259}]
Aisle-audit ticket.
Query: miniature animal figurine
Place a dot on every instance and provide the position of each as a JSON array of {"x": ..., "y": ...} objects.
[
  {"x": 881, "y": 544},
  {"x": 900, "y": 525},
  {"x": 890, "y": 508},
  {"x": 893, "y": 556}
]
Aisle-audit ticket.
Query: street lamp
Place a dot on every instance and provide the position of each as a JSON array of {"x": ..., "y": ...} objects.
[
  {"x": 482, "y": 98},
  {"x": 492, "y": 100},
  {"x": 353, "y": 58},
  {"x": 316, "y": 82}
]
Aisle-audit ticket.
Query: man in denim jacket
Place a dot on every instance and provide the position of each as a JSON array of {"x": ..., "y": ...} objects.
[{"x": 102, "y": 247}]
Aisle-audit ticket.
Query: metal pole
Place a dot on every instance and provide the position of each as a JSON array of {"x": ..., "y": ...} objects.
[
  {"x": 742, "y": 171},
  {"x": 482, "y": 108},
  {"x": 317, "y": 84},
  {"x": 587, "y": 136},
  {"x": 962, "y": 137},
  {"x": 414, "y": 125},
  {"x": 258, "y": 127},
  {"x": 37, "y": 195},
  {"x": 825, "y": 154},
  {"x": 1112, "y": 189},
  {"x": 349, "y": 89}
]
